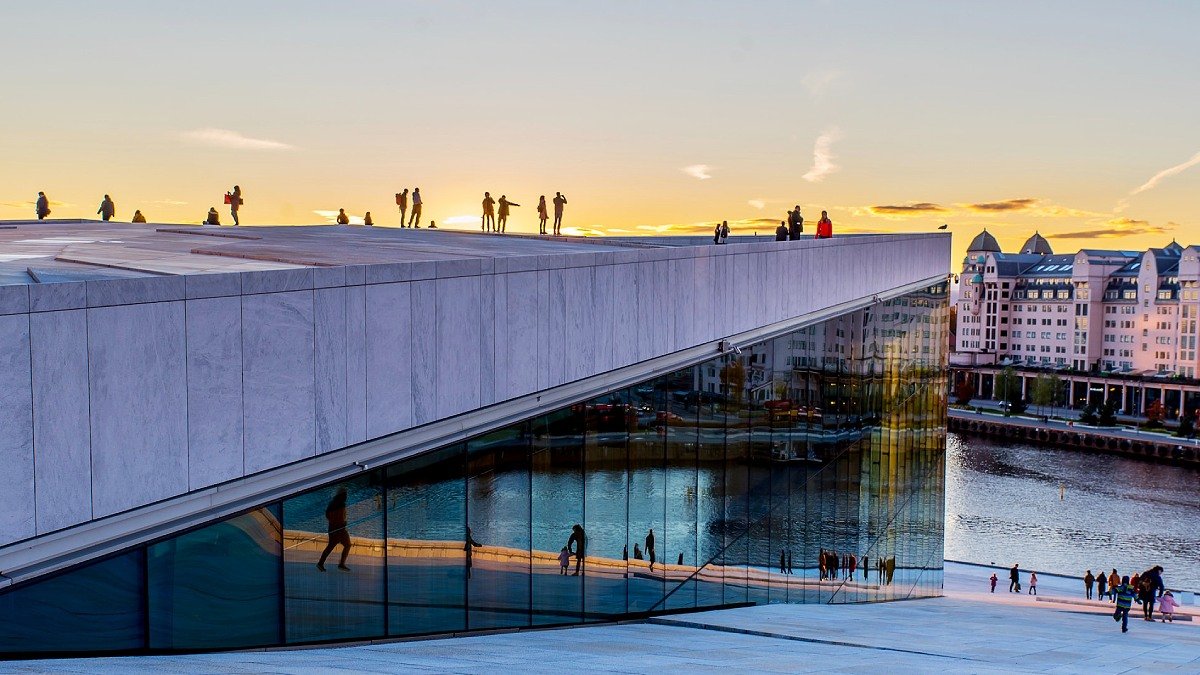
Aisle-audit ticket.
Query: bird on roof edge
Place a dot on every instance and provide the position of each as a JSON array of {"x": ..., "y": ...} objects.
[{"x": 942, "y": 227}]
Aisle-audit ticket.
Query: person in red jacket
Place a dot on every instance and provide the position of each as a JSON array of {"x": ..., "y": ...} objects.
[{"x": 824, "y": 226}]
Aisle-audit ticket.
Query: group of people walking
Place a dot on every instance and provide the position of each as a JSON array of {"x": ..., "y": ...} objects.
[
  {"x": 1145, "y": 588},
  {"x": 833, "y": 565}
]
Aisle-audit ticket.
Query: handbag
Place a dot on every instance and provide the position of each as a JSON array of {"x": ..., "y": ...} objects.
[{"x": 228, "y": 198}]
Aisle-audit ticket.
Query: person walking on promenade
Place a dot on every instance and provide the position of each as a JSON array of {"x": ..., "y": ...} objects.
[
  {"x": 1101, "y": 584},
  {"x": 42, "y": 207},
  {"x": 235, "y": 203},
  {"x": 1136, "y": 583},
  {"x": 335, "y": 514},
  {"x": 781, "y": 232},
  {"x": 564, "y": 561},
  {"x": 853, "y": 567},
  {"x": 1150, "y": 588},
  {"x": 1167, "y": 606},
  {"x": 782, "y": 562},
  {"x": 650, "y": 553},
  {"x": 559, "y": 200},
  {"x": 402, "y": 204},
  {"x": 138, "y": 217},
  {"x": 543, "y": 216},
  {"x": 502, "y": 214},
  {"x": 579, "y": 539},
  {"x": 342, "y": 218},
  {"x": 1124, "y": 602},
  {"x": 795, "y": 223},
  {"x": 415, "y": 219},
  {"x": 107, "y": 209},
  {"x": 824, "y": 226},
  {"x": 1113, "y": 582},
  {"x": 487, "y": 221},
  {"x": 1033, "y": 583},
  {"x": 1014, "y": 579},
  {"x": 1088, "y": 580},
  {"x": 994, "y": 579}
]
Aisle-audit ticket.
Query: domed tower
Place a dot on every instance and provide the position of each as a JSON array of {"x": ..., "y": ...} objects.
[
  {"x": 1037, "y": 244},
  {"x": 974, "y": 265},
  {"x": 983, "y": 242}
]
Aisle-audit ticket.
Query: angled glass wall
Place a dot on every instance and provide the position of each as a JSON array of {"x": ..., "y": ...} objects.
[{"x": 805, "y": 469}]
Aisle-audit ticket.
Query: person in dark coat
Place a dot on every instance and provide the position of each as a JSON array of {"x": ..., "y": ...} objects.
[
  {"x": 138, "y": 217},
  {"x": 468, "y": 545},
  {"x": 579, "y": 540},
  {"x": 1101, "y": 584},
  {"x": 795, "y": 223},
  {"x": 107, "y": 209},
  {"x": 1088, "y": 580},
  {"x": 650, "y": 553},
  {"x": 335, "y": 514},
  {"x": 43, "y": 206},
  {"x": 1150, "y": 588},
  {"x": 213, "y": 218},
  {"x": 1014, "y": 579},
  {"x": 235, "y": 203},
  {"x": 781, "y": 232}
]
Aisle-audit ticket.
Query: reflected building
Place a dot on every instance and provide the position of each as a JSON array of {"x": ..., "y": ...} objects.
[{"x": 724, "y": 481}]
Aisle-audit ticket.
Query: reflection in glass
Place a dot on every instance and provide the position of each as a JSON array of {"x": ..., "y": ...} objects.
[
  {"x": 559, "y": 538},
  {"x": 497, "y": 530}
]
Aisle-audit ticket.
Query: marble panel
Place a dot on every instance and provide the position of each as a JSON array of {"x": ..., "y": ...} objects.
[
  {"x": 389, "y": 349},
  {"x": 211, "y": 285},
  {"x": 356, "y": 364},
  {"x": 649, "y": 311},
  {"x": 332, "y": 383},
  {"x": 106, "y": 292},
  {"x": 387, "y": 273},
  {"x": 214, "y": 390},
  {"x": 57, "y": 296},
  {"x": 523, "y": 342},
  {"x": 544, "y": 337},
  {"x": 423, "y": 351},
  {"x": 278, "y": 378},
  {"x": 14, "y": 299},
  {"x": 604, "y": 303},
  {"x": 277, "y": 281},
  {"x": 487, "y": 339},
  {"x": 329, "y": 277},
  {"x": 17, "y": 506},
  {"x": 61, "y": 425},
  {"x": 503, "y": 385},
  {"x": 458, "y": 345},
  {"x": 460, "y": 267},
  {"x": 703, "y": 326},
  {"x": 554, "y": 347},
  {"x": 580, "y": 330},
  {"x": 138, "y": 370},
  {"x": 625, "y": 314}
]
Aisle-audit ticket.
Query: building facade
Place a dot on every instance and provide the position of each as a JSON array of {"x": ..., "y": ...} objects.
[{"x": 793, "y": 454}]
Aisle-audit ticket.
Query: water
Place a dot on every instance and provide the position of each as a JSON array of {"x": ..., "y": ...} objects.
[{"x": 1003, "y": 507}]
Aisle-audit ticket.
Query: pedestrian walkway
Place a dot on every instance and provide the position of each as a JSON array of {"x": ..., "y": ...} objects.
[{"x": 969, "y": 631}]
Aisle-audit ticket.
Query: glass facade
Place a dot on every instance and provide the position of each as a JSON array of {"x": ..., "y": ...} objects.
[{"x": 805, "y": 469}]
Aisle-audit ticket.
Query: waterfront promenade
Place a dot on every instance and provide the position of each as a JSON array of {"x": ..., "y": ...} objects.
[{"x": 968, "y": 631}]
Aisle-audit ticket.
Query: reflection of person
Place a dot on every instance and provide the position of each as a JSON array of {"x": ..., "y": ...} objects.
[
  {"x": 579, "y": 539},
  {"x": 637, "y": 552},
  {"x": 625, "y": 552},
  {"x": 335, "y": 513},
  {"x": 470, "y": 544},
  {"x": 891, "y": 568},
  {"x": 782, "y": 562},
  {"x": 791, "y": 570},
  {"x": 564, "y": 561},
  {"x": 650, "y": 548}
]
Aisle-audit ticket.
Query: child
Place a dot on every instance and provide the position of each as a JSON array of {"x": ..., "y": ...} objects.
[
  {"x": 1167, "y": 605},
  {"x": 994, "y": 579},
  {"x": 1033, "y": 583},
  {"x": 564, "y": 560}
]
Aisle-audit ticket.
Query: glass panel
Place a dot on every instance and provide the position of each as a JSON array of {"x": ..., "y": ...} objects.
[
  {"x": 333, "y": 572},
  {"x": 606, "y": 502},
  {"x": 676, "y": 422},
  {"x": 710, "y": 479},
  {"x": 218, "y": 587},
  {"x": 426, "y": 522},
  {"x": 93, "y": 608},
  {"x": 559, "y": 538},
  {"x": 497, "y": 552},
  {"x": 737, "y": 478},
  {"x": 647, "y": 503}
]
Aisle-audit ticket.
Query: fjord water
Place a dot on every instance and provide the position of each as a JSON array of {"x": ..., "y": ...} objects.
[{"x": 1003, "y": 507}]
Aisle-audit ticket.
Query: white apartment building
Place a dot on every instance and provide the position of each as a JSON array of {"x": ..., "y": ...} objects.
[{"x": 1098, "y": 311}]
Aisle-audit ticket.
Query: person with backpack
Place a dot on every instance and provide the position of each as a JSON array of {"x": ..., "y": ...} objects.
[
  {"x": 402, "y": 203},
  {"x": 1150, "y": 587},
  {"x": 1124, "y": 601}
]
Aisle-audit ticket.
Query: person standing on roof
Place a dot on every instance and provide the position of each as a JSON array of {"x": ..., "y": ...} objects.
[
  {"x": 235, "y": 203},
  {"x": 415, "y": 219},
  {"x": 487, "y": 222},
  {"x": 559, "y": 200},
  {"x": 503, "y": 215},
  {"x": 107, "y": 209},
  {"x": 43, "y": 206},
  {"x": 824, "y": 226}
]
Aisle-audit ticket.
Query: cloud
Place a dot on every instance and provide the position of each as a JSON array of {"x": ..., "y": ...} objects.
[
  {"x": 582, "y": 232},
  {"x": 699, "y": 171},
  {"x": 823, "y": 156},
  {"x": 757, "y": 203},
  {"x": 914, "y": 209},
  {"x": 32, "y": 203},
  {"x": 224, "y": 138},
  {"x": 817, "y": 82},
  {"x": 1006, "y": 205},
  {"x": 330, "y": 216},
  {"x": 1118, "y": 227},
  {"x": 1167, "y": 173}
]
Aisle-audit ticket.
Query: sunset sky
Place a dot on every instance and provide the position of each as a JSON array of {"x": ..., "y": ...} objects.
[{"x": 1078, "y": 119}]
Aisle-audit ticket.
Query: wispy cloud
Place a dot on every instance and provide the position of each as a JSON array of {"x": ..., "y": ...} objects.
[
  {"x": 224, "y": 138},
  {"x": 1167, "y": 173},
  {"x": 31, "y": 203},
  {"x": 757, "y": 203},
  {"x": 817, "y": 82},
  {"x": 823, "y": 156},
  {"x": 1003, "y": 206},
  {"x": 330, "y": 216},
  {"x": 1118, "y": 227},
  {"x": 915, "y": 209},
  {"x": 699, "y": 171}
]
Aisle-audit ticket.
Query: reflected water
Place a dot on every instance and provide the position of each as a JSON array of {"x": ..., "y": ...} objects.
[{"x": 1003, "y": 498}]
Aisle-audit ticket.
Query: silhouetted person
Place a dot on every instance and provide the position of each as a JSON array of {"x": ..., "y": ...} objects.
[
  {"x": 795, "y": 223},
  {"x": 724, "y": 230},
  {"x": 650, "y": 548},
  {"x": 415, "y": 219},
  {"x": 138, "y": 217},
  {"x": 335, "y": 513},
  {"x": 402, "y": 203},
  {"x": 824, "y": 226},
  {"x": 625, "y": 552},
  {"x": 717, "y": 234},
  {"x": 367, "y": 220},
  {"x": 1124, "y": 599},
  {"x": 1088, "y": 581},
  {"x": 1150, "y": 588},
  {"x": 469, "y": 544},
  {"x": 781, "y": 232},
  {"x": 1101, "y": 584},
  {"x": 579, "y": 540},
  {"x": 502, "y": 214},
  {"x": 637, "y": 552},
  {"x": 866, "y": 566},
  {"x": 680, "y": 561},
  {"x": 891, "y": 568},
  {"x": 1014, "y": 579},
  {"x": 235, "y": 203},
  {"x": 487, "y": 222},
  {"x": 542, "y": 215},
  {"x": 433, "y": 225},
  {"x": 43, "y": 206},
  {"x": 342, "y": 218},
  {"x": 782, "y": 562},
  {"x": 214, "y": 218},
  {"x": 559, "y": 200},
  {"x": 107, "y": 209}
]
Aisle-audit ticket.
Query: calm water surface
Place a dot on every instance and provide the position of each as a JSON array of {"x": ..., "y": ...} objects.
[{"x": 1003, "y": 507}]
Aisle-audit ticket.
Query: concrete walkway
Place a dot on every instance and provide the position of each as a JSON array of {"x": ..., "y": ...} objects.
[{"x": 969, "y": 631}]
